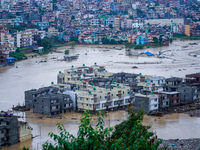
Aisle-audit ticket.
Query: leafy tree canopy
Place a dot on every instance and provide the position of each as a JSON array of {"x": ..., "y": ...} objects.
[{"x": 130, "y": 134}]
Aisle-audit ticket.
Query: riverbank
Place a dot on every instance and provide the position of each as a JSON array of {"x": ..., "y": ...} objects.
[
  {"x": 193, "y": 109},
  {"x": 183, "y": 144}
]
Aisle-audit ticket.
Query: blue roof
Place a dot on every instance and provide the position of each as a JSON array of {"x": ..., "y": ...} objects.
[
  {"x": 148, "y": 53},
  {"x": 10, "y": 58}
]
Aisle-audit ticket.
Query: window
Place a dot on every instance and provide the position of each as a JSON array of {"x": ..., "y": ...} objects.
[
  {"x": 115, "y": 102},
  {"x": 155, "y": 100},
  {"x": 111, "y": 94},
  {"x": 126, "y": 100},
  {"x": 92, "y": 99},
  {"x": 90, "y": 105},
  {"x": 69, "y": 104},
  {"x": 87, "y": 99},
  {"x": 155, "y": 105},
  {"x": 123, "y": 92},
  {"x": 103, "y": 105},
  {"x": 100, "y": 96},
  {"x": 81, "y": 98},
  {"x": 128, "y": 92},
  {"x": 105, "y": 97},
  {"x": 116, "y": 95},
  {"x": 86, "y": 104}
]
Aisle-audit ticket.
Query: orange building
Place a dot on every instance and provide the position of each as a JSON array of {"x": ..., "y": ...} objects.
[{"x": 187, "y": 30}]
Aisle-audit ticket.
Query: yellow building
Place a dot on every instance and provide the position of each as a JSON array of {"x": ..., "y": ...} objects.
[{"x": 96, "y": 98}]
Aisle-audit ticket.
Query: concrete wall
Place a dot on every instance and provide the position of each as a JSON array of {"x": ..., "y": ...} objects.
[
  {"x": 25, "y": 131},
  {"x": 9, "y": 128},
  {"x": 141, "y": 102},
  {"x": 52, "y": 104},
  {"x": 188, "y": 93}
]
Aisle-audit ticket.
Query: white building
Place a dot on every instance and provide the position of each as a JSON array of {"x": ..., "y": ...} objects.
[
  {"x": 24, "y": 38},
  {"x": 95, "y": 22}
]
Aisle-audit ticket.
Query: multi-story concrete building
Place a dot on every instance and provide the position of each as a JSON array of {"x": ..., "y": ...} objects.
[
  {"x": 172, "y": 84},
  {"x": 158, "y": 80},
  {"x": 53, "y": 31},
  {"x": 95, "y": 22},
  {"x": 123, "y": 77},
  {"x": 4, "y": 52},
  {"x": 174, "y": 99},
  {"x": 147, "y": 86},
  {"x": 138, "y": 23},
  {"x": 85, "y": 73},
  {"x": 42, "y": 25},
  {"x": 188, "y": 93},
  {"x": 192, "y": 79},
  {"x": 126, "y": 24},
  {"x": 4, "y": 22},
  {"x": 96, "y": 98},
  {"x": 110, "y": 21},
  {"x": 52, "y": 104},
  {"x": 48, "y": 100},
  {"x": 8, "y": 129},
  {"x": 148, "y": 102},
  {"x": 117, "y": 23},
  {"x": 24, "y": 38}
]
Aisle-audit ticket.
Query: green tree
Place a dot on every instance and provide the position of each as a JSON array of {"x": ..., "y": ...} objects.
[
  {"x": 131, "y": 17},
  {"x": 72, "y": 17},
  {"x": 46, "y": 43},
  {"x": 155, "y": 40},
  {"x": 130, "y": 134},
  {"x": 55, "y": 7},
  {"x": 110, "y": 26},
  {"x": 17, "y": 50},
  {"x": 74, "y": 38},
  {"x": 113, "y": 41},
  {"x": 140, "y": 46},
  {"x": 160, "y": 39},
  {"x": 87, "y": 137},
  {"x": 18, "y": 55},
  {"x": 66, "y": 51},
  {"x": 128, "y": 45},
  {"x": 72, "y": 43},
  {"x": 105, "y": 40}
]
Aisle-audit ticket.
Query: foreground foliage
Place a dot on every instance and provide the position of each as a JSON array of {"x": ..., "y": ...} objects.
[
  {"x": 130, "y": 134},
  {"x": 17, "y": 55}
]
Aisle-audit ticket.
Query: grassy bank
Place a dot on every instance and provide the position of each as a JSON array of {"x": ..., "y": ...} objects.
[{"x": 184, "y": 37}]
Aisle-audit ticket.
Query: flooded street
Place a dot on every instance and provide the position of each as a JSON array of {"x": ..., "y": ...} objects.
[{"x": 32, "y": 73}]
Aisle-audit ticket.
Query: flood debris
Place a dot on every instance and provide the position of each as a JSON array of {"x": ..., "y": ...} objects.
[
  {"x": 178, "y": 144},
  {"x": 20, "y": 108},
  {"x": 134, "y": 67},
  {"x": 71, "y": 57}
]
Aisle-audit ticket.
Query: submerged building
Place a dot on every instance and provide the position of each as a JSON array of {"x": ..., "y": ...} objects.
[
  {"x": 48, "y": 101},
  {"x": 13, "y": 131}
]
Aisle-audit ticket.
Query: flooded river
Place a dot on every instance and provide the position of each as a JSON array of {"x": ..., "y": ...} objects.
[{"x": 32, "y": 73}]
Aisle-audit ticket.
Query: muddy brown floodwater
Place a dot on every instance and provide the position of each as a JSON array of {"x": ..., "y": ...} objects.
[{"x": 32, "y": 73}]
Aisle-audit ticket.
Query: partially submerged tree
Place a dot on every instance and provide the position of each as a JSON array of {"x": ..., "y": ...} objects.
[
  {"x": 72, "y": 43},
  {"x": 130, "y": 134}
]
